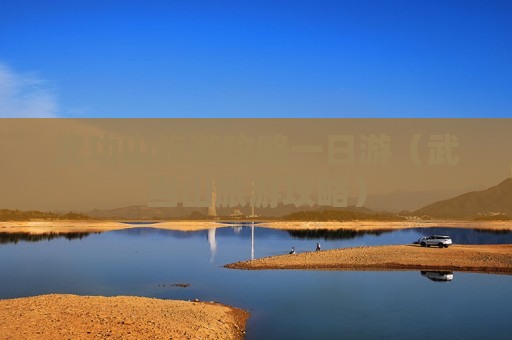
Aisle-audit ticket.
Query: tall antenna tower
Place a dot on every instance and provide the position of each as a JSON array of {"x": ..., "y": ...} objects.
[{"x": 252, "y": 208}]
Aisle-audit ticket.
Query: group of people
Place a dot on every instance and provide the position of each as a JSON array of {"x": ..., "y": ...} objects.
[{"x": 317, "y": 248}]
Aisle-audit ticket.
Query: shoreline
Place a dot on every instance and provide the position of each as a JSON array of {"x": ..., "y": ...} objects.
[
  {"x": 489, "y": 259},
  {"x": 120, "y": 317},
  {"x": 387, "y": 226},
  {"x": 91, "y": 226},
  {"x": 64, "y": 226}
]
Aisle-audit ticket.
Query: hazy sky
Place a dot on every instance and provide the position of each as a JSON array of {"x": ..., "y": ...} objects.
[
  {"x": 255, "y": 58},
  {"x": 274, "y": 59},
  {"x": 40, "y": 170}
]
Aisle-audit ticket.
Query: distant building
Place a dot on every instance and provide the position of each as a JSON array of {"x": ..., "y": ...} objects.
[{"x": 212, "y": 211}]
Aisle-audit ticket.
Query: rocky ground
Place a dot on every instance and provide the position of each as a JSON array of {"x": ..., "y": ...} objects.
[
  {"x": 496, "y": 259},
  {"x": 122, "y": 317}
]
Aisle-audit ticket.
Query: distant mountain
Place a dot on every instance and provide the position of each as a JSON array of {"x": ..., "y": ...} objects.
[
  {"x": 486, "y": 204},
  {"x": 493, "y": 201},
  {"x": 144, "y": 212},
  {"x": 350, "y": 208},
  {"x": 399, "y": 200}
]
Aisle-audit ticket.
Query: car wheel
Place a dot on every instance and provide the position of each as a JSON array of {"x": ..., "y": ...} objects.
[
  {"x": 441, "y": 245},
  {"x": 423, "y": 244},
  {"x": 446, "y": 246}
]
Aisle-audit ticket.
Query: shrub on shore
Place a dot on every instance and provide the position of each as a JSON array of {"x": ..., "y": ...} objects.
[{"x": 337, "y": 215}]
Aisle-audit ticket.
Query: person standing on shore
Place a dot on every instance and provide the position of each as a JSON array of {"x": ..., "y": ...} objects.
[{"x": 317, "y": 246}]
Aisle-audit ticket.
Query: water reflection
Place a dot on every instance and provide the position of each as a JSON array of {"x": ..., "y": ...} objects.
[
  {"x": 458, "y": 235},
  {"x": 212, "y": 242},
  {"x": 6, "y": 238},
  {"x": 240, "y": 223},
  {"x": 275, "y": 242},
  {"x": 470, "y": 236},
  {"x": 318, "y": 304},
  {"x": 236, "y": 231},
  {"x": 438, "y": 276},
  {"x": 328, "y": 234},
  {"x": 252, "y": 242}
]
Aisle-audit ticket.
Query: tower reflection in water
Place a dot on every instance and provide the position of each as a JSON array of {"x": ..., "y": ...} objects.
[
  {"x": 237, "y": 230},
  {"x": 212, "y": 242}
]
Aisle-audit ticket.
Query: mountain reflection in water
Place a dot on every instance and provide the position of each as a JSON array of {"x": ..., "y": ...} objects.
[
  {"x": 6, "y": 238},
  {"x": 328, "y": 234}
]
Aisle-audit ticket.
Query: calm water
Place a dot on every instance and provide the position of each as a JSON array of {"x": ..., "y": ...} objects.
[{"x": 283, "y": 304}]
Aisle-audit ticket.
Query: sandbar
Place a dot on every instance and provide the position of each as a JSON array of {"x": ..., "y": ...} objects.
[
  {"x": 63, "y": 226},
  {"x": 491, "y": 259},
  {"x": 58, "y": 316}
]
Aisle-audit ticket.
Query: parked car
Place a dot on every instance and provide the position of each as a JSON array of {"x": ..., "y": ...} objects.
[
  {"x": 438, "y": 276},
  {"x": 435, "y": 240}
]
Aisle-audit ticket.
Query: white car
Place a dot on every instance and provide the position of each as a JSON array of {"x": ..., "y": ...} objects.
[{"x": 435, "y": 240}]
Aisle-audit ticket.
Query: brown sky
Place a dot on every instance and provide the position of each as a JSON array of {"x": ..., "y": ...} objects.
[{"x": 31, "y": 180}]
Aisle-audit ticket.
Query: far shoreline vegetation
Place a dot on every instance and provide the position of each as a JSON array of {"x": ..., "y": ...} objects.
[
  {"x": 310, "y": 216},
  {"x": 497, "y": 217},
  {"x": 19, "y": 215}
]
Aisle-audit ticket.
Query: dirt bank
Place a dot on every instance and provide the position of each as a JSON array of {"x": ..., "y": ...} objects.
[
  {"x": 376, "y": 225},
  {"x": 122, "y": 317},
  {"x": 467, "y": 258},
  {"x": 42, "y": 227}
]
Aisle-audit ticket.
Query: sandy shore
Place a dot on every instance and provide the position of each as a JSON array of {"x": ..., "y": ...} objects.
[
  {"x": 122, "y": 317},
  {"x": 375, "y": 225},
  {"x": 42, "y": 227},
  {"x": 495, "y": 259}
]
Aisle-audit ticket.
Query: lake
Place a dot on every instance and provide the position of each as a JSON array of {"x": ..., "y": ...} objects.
[{"x": 283, "y": 304}]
